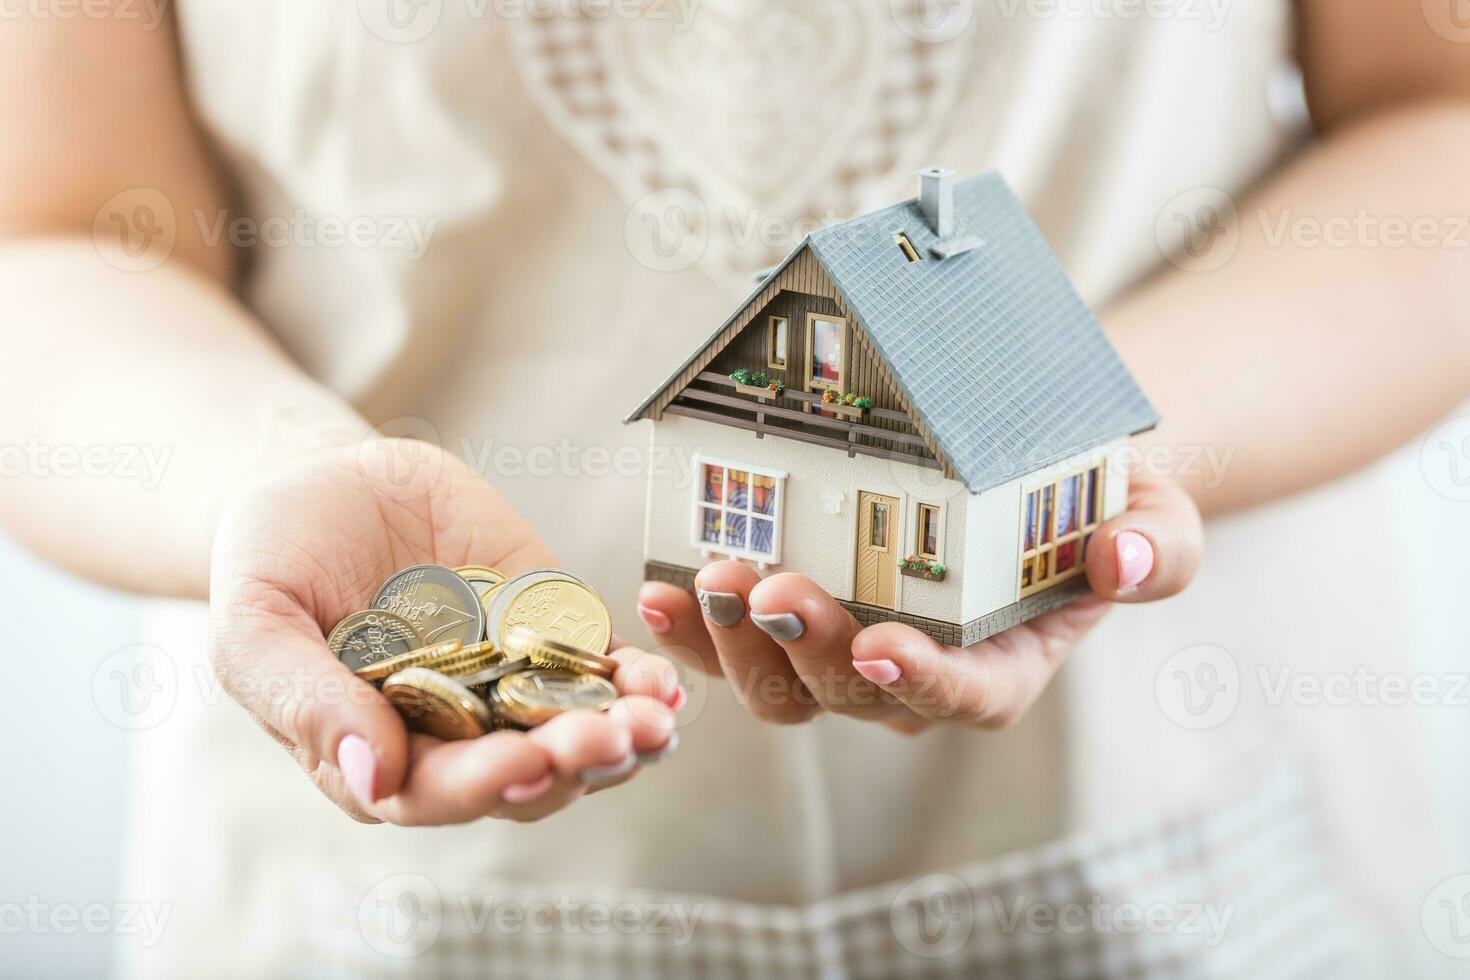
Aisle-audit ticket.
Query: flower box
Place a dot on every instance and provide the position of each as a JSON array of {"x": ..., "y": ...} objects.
[
  {"x": 755, "y": 392},
  {"x": 846, "y": 411},
  {"x": 923, "y": 573}
]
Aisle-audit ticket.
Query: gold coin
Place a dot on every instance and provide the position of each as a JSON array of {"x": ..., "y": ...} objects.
[
  {"x": 543, "y": 651},
  {"x": 422, "y": 657},
  {"x": 560, "y": 609},
  {"x": 468, "y": 661},
  {"x": 533, "y": 697},
  {"x": 372, "y": 635},
  {"x": 437, "y": 705},
  {"x": 482, "y": 578},
  {"x": 502, "y": 664}
]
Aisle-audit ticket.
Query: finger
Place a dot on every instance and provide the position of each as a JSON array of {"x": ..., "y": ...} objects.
[
  {"x": 672, "y": 616},
  {"x": 816, "y": 634},
  {"x": 640, "y": 672},
  {"x": 270, "y": 656},
  {"x": 1152, "y": 550},
  {"x": 754, "y": 663},
  {"x": 456, "y": 782},
  {"x": 654, "y": 735},
  {"x": 991, "y": 684}
]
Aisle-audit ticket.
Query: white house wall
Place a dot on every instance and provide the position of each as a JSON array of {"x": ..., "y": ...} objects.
[
  {"x": 992, "y": 575},
  {"x": 815, "y": 541}
]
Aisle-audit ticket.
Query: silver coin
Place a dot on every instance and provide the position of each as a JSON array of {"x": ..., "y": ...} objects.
[
  {"x": 437, "y": 601},
  {"x": 501, "y": 599}
]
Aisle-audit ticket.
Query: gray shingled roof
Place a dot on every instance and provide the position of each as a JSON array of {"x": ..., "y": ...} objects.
[{"x": 997, "y": 354}]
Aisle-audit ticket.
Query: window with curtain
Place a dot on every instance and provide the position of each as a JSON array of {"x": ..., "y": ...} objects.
[
  {"x": 737, "y": 511},
  {"x": 1057, "y": 522}
]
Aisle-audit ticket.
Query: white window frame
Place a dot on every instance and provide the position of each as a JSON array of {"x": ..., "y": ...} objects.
[{"x": 708, "y": 549}]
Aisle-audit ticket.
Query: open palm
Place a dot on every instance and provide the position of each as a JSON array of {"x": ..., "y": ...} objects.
[{"x": 311, "y": 543}]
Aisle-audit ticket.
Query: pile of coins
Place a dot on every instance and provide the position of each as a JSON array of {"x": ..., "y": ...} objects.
[{"x": 463, "y": 651}]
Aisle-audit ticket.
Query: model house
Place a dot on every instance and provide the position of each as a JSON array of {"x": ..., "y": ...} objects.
[{"x": 915, "y": 409}]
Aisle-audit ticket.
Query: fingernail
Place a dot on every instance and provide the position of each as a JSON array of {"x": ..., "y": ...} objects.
[
  {"x": 654, "y": 620},
  {"x": 359, "y": 766},
  {"x": 526, "y": 792},
  {"x": 677, "y": 701},
  {"x": 1135, "y": 559},
  {"x": 722, "y": 608},
  {"x": 878, "y": 671},
  {"x": 597, "y": 775},
  {"x": 779, "y": 626},
  {"x": 659, "y": 755}
]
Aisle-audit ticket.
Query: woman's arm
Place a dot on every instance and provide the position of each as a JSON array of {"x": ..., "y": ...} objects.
[
  {"x": 156, "y": 382},
  {"x": 1301, "y": 360}
]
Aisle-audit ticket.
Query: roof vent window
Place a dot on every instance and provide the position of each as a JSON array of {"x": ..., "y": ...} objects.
[{"x": 906, "y": 246}]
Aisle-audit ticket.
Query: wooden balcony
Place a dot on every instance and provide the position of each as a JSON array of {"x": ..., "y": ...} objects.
[{"x": 713, "y": 398}]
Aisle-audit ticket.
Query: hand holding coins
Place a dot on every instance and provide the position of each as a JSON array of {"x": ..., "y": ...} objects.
[{"x": 460, "y": 652}]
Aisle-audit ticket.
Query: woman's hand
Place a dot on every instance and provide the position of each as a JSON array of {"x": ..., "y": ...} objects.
[
  {"x": 792, "y": 651},
  {"x": 311, "y": 543}
]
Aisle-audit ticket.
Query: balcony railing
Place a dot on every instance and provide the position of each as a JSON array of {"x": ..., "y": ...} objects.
[{"x": 765, "y": 415}]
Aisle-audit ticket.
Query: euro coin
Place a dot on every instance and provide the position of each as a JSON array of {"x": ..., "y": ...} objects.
[
  {"x": 437, "y": 705},
  {"x": 437, "y": 601},
  {"x": 546, "y": 652},
  {"x": 501, "y": 665},
  {"x": 430, "y": 656},
  {"x": 533, "y": 697},
  {"x": 372, "y": 635},
  {"x": 482, "y": 578},
  {"x": 499, "y": 600},
  {"x": 559, "y": 608}
]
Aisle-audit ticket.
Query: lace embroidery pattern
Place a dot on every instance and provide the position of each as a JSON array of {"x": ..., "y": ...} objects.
[{"x": 731, "y": 106}]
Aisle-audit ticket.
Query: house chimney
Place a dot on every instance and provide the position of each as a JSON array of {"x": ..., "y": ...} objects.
[{"x": 936, "y": 199}]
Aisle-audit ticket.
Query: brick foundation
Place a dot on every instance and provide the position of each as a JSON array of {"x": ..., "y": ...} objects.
[{"x": 952, "y": 634}]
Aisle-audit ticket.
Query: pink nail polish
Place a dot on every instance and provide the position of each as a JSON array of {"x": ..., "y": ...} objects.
[
  {"x": 1135, "y": 559},
  {"x": 677, "y": 701},
  {"x": 655, "y": 620},
  {"x": 526, "y": 792},
  {"x": 878, "y": 671},
  {"x": 359, "y": 766}
]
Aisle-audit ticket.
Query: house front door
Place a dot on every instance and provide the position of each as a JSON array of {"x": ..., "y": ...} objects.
[{"x": 877, "y": 564}]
